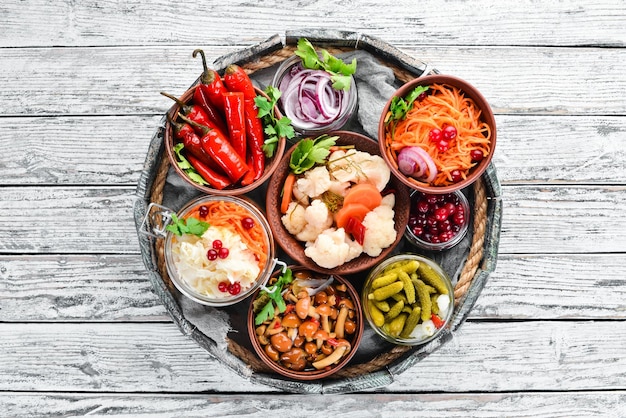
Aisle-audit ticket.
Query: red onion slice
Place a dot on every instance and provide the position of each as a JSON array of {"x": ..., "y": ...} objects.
[{"x": 416, "y": 162}]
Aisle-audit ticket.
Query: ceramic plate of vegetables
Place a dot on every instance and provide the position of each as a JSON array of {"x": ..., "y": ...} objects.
[{"x": 333, "y": 204}]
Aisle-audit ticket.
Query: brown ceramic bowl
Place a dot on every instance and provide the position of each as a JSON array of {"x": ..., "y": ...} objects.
[
  {"x": 270, "y": 163},
  {"x": 346, "y": 299},
  {"x": 486, "y": 116},
  {"x": 295, "y": 248}
]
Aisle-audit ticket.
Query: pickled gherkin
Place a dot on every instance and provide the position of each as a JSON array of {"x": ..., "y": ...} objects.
[
  {"x": 411, "y": 322},
  {"x": 394, "y": 311},
  {"x": 397, "y": 324},
  {"x": 383, "y": 293},
  {"x": 409, "y": 289},
  {"x": 383, "y": 305},
  {"x": 424, "y": 297},
  {"x": 430, "y": 276},
  {"x": 377, "y": 316},
  {"x": 385, "y": 280}
]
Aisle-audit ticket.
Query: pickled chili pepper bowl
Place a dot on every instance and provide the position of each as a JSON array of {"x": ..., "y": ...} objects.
[
  {"x": 303, "y": 342},
  {"x": 393, "y": 305},
  {"x": 155, "y": 225},
  {"x": 237, "y": 189}
]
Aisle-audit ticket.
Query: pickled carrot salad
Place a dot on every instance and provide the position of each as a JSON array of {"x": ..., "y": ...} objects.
[
  {"x": 228, "y": 257},
  {"x": 439, "y": 136}
]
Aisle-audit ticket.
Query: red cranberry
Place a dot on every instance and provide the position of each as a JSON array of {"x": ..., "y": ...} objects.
[
  {"x": 476, "y": 155},
  {"x": 456, "y": 176},
  {"x": 443, "y": 145},
  {"x": 441, "y": 214},
  {"x": 234, "y": 288},
  {"x": 223, "y": 287},
  {"x": 217, "y": 244},
  {"x": 436, "y": 218},
  {"x": 247, "y": 223},
  {"x": 223, "y": 252},
  {"x": 211, "y": 254},
  {"x": 421, "y": 97},
  {"x": 435, "y": 135},
  {"x": 203, "y": 211},
  {"x": 422, "y": 206},
  {"x": 449, "y": 132}
]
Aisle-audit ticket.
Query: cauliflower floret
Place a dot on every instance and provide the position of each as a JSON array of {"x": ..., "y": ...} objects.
[
  {"x": 294, "y": 220},
  {"x": 329, "y": 249},
  {"x": 380, "y": 232},
  {"x": 359, "y": 166},
  {"x": 315, "y": 181},
  {"x": 339, "y": 187},
  {"x": 317, "y": 218},
  {"x": 355, "y": 249},
  {"x": 389, "y": 200}
]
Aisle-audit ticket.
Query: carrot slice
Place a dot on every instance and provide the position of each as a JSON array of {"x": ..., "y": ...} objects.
[
  {"x": 364, "y": 193},
  {"x": 356, "y": 210},
  {"x": 287, "y": 192}
]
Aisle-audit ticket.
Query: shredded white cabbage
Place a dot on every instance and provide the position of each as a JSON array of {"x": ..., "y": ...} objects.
[{"x": 203, "y": 275}]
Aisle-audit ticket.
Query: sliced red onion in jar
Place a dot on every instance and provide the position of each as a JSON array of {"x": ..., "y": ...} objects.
[
  {"x": 417, "y": 163},
  {"x": 309, "y": 99}
]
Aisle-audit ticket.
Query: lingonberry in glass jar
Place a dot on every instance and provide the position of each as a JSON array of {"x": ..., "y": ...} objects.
[{"x": 437, "y": 221}]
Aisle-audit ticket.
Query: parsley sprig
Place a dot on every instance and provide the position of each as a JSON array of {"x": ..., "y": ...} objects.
[
  {"x": 270, "y": 296},
  {"x": 310, "y": 151},
  {"x": 274, "y": 128},
  {"x": 191, "y": 226},
  {"x": 400, "y": 106},
  {"x": 340, "y": 72},
  {"x": 186, "y": 166}
]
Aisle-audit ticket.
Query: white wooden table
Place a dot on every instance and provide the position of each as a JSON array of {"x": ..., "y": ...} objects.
[{"x": 81, "y": 330}]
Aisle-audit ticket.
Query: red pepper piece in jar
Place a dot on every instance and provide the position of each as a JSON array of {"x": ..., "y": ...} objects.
[
  {"x": 211, "y": 84},
  {"x": 215, "y": 180},
  {"x": 236, "y": 79},
  {"x": 193, "y": 112},
  {"x": 234, "y": 112},
  {"x": 217, "y": 146}
]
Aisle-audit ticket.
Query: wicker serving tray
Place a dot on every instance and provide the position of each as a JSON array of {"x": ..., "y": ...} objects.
[{"x": 376, "y": 361}]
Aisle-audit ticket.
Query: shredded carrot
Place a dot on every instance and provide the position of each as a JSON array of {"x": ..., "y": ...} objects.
[
  {"x": 230, "y": 215},
  {"x": 444, "y": 105}
]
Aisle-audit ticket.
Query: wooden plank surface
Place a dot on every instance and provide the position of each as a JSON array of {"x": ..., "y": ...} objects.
[{"x": 83, "y": 333}]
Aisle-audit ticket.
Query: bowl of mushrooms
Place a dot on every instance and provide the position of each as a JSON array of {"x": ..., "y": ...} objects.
[{"x": 305, "y": 325}]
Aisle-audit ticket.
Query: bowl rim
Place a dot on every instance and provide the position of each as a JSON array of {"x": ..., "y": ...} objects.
[
  {"x": 486, "y": 114},
  {"x": 399, "y": 257},
  {"x": 271, "y": 163},
  {"x": 309, "y": 374},
  {"x": 289, "y": 243},
  {"x": 264, "y": 274}
]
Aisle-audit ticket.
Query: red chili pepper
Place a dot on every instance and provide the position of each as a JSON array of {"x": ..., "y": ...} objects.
[
  {"x": 236, "y": 79},
  {"x": 255, "y": 137},
  {"x": 190, "y": 139},
  {"x": 217, "y": 146},
  {"x": 355, "y": 228},
  {"x": 290, "y": 307},
  {"x": 234, "y": 112},
  {"x": 277, "y": 325},
  {"x": 215, "y": 180},
  {"x": 437, "y": 321},
  {"x": 192, "y": 112},
  {"x": 201, "y": 99},
  {"x": 211, "y": 83},
  {"x": 250, "y": 176}
]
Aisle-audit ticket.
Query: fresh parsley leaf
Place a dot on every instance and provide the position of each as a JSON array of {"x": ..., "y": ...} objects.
[
  {"x": 309, "y": 152},
  {"x": 191, "y": 226},
  {"x": 274, "y": 128},
  {"x": 186, "y": 166},
  {"x": 400, "y": 106},
  {"x": 275, "y": 297},
  {"x": 340, "y": 72}
]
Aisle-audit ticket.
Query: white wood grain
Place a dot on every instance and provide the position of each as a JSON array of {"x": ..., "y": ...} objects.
[
  {"x": 105, "y": 23},
  {"x": 605, "y": 404},
  {"x": 153, "y": 357},
  {"x": 122, "y": 81}
]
